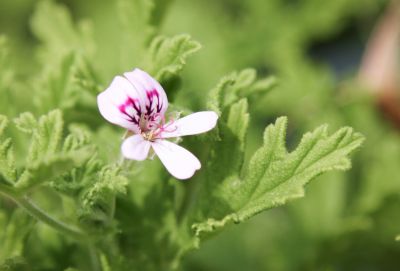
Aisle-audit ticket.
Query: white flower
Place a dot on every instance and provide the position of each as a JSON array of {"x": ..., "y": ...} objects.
[{"x": 138, "y": 103}]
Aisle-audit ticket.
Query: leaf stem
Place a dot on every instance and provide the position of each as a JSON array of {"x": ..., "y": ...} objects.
[{"x": 35, "y": 211}]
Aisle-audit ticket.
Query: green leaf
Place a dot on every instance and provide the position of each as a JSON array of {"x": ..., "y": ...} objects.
[
  {"x": 136, "y": 29},
  {"x": 238, "y": 119},
  {"x": 46, "y": 138},
  {"x": 236, "y": 86},
  {"x": 7, "y": 161},
  {"x": 49, "y": 157},
  {"x": 53, "y": 26},
  {"x": 275, "y": 176},
  {"x": 98, "y": 201},
  {"x": 168, "y": 55},
  {"x": 52, "y": 166},
  {"x": 26, "y": 122},
  {"x": 71, "y": 86},
  {"x": 18, "y": 227},
  {"x": 3, "y": 124}
]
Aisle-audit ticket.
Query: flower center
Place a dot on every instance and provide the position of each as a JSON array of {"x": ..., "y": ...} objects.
[
  {"x": 150, "y": 135},
  {"x": 153, "y": 127}
]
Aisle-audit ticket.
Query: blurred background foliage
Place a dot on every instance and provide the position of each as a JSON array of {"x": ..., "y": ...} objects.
[{"x": 347, "y": 221}]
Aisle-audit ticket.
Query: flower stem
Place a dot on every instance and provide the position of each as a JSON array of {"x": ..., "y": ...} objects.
[{"x": 32, "y": 209}]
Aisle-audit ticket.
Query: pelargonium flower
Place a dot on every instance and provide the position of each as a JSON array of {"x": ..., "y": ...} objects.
[{"x": 137, "y": 102}]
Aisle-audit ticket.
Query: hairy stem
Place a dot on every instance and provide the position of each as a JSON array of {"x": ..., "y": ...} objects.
[{"x": 31, "y": 208}]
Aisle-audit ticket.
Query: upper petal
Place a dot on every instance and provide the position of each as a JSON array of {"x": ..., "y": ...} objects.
[
  {"x": 192, "y": 124},
  {"x": 179, "y": 162},
  {"x": 120, "y": 104},
  {"x": 135, "y": 147},
  {"x": 153, "y": 98}
]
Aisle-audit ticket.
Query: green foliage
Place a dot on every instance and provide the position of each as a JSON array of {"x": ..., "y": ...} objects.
[
  {"x": 54, "y": 27},
  {"x": 69, "y": 202},
  {"x": 7, "y": 161},
  {"x": 14, "y": 238},
  {"x": 168, "y": 55},
  {"x": 15, "y": 263},
  {"x": 274, "y": 176},
  {"x": 98, "y": 201},
  {"x": 46, "y": 158},
  {"x": 238, "y": 85}
]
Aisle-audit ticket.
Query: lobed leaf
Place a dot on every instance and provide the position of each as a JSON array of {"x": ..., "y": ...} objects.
[
  {"x": 236, "y": 86},
  {"x": 53, "y": 26},
  {"x": 98, "y": 201},
  {"x": 168, "y": 55},
  {"x": 52, "y": 166},
  {"x": 275, "y": 176},
  {"x": 46, "y": 138}
]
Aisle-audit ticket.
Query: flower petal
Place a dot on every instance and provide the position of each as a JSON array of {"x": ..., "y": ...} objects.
[
  {"x": 136, "y": 148},
  {"x": 120, "y": 104},
  {"x": 153, "y": 98},
  {"x": 192, "y": 124},
  {"x": 179, "y": 162}
]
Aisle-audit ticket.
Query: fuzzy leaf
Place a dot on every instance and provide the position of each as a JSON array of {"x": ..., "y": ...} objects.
[
  {"x": 274, "y": 176},
  {"x": 26, "y": 122},
  {"x": 73, "y": 182},
  {"x": 7, "y": 161},
  {"x": 53, "y": 26},
  {"x": 50, "y": 167},
  {"x": 168, "y": 55},
  {"x": 97, "y": 202},
  {"x": 134, "y": 17},
  {"x": 18, "y": 227},
  {"x": 238, "y": 85},
  {"x": 238, "y": 119},
  {"x": 48, "y": 156},
  {"x": 46, "y": 138}
]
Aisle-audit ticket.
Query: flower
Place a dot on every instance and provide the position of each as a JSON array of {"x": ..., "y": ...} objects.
[{"x": 137, "y": 102}]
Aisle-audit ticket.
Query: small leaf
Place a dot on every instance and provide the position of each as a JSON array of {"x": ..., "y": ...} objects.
[
  {"x": 168, "y": 55},
  {"x": 97, "y": 202},
  {"x": 26, "y": 122},
  {"x": 236, "y": 86},
  {"x": 7, "y": 161},
  {"x": 46, "y": 138}
]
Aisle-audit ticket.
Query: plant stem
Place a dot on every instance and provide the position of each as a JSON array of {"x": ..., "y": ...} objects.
[
  {"x": 94, "y": 259},
  {"x": 40, "y": 214}
]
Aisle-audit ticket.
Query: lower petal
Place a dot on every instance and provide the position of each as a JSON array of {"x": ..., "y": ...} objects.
[
  {"x": 135, "y": 147},
  {"x": 181, "y": 163}
]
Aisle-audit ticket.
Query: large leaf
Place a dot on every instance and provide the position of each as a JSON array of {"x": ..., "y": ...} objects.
[{"x": 275, "y": 176}]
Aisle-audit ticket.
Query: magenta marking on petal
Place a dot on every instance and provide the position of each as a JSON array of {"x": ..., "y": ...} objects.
[
  {"x": 134, "y": 103},
  {"x": 150, "y": 96}
]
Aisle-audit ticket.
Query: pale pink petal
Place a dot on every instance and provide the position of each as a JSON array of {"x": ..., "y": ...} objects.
[
  {"x": 135, "y": 147},
  {"x": 192, "y": 124},
  {"x": 179, "y": 162},
  {"x": 119, "y": 104},
  {"x": 153, "y": 98}
]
